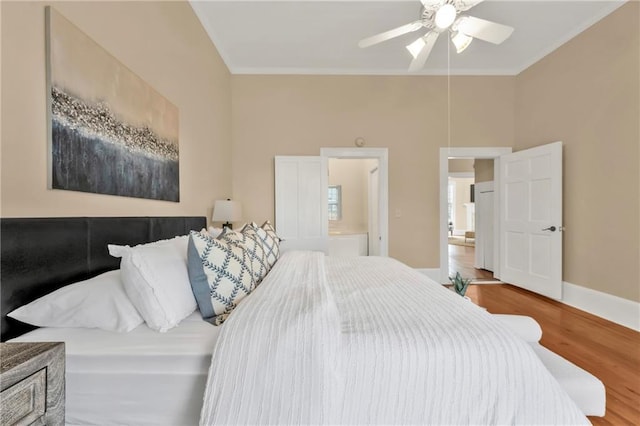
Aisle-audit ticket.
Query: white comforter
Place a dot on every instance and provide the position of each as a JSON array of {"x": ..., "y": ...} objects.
[{"x": 371, "y": 341}]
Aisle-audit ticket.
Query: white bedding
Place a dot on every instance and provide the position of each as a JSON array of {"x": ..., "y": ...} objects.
[
  {"x": 138, "y": 378},
  {"x": 371, "y": 341}
]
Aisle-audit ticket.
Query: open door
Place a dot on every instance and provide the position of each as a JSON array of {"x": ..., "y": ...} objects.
[{"x": 531, "y": 219}]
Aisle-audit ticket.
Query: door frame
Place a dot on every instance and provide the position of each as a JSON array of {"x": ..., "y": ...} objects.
[
  {"x": 382, "y": 155},
  {"x": 475, "y": 153}
]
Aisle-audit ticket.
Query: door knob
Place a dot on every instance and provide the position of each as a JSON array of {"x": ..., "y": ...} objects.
[{"x": 551, "y": 228}]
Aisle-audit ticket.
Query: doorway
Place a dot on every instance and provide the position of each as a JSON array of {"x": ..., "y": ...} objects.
[
  {"x": 470, "y": 218},
  {"x": 461, "y": 219},
  {"x": 373, "y": 215},
  {"x": 462, "y": 254},
  {"x": 352, "y": 208}
]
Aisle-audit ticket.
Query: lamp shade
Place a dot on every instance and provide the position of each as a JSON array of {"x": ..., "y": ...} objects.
[{"x": 227, "y": 211}]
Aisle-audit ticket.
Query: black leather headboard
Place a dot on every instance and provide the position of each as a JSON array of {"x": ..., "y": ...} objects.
[{"x": 40, "y": 255}]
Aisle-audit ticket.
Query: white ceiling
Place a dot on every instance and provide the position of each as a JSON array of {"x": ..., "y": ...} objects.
[{"x": 320, "y": 37}]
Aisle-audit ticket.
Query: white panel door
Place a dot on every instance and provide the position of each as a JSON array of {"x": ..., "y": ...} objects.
[
  {"x": 531, "y": 219},
  {"x": 301, "y": 202}
]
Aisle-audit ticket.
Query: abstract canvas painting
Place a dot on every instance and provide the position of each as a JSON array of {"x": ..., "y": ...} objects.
[{"x": 109, "y": 131}]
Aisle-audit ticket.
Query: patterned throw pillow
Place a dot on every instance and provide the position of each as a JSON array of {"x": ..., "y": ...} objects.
[
  {"x": 254, "y": 248},
  {"x": 270, "y": 241},
  {"x": 220, "y": 274}
]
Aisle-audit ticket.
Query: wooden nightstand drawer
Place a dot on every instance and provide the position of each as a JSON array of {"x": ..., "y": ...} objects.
[
  {"x": 25, "y": 402},
  {"x": 32, "y": 383}
]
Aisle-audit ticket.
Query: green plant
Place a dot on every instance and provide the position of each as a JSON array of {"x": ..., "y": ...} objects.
[{"x": 460, "y": 284}]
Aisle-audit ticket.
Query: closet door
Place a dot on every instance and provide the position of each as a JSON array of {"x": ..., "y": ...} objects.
[
  {"x": 301, "y": 186},
  {"x": 484, "y": 225}
]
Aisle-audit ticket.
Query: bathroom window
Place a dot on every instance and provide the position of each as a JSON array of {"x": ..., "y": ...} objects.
[{"x": 335, "y": 202}]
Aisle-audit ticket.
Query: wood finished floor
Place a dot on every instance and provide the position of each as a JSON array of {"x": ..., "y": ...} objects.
[
  {"x": 607, "y": 350},
  {"x": 461, "y": 259}
]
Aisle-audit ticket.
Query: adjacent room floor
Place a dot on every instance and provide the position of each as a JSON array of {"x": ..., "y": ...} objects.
[{"x": 461, "y": 259}]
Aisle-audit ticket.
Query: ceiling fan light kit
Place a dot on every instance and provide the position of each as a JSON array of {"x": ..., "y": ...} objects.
[
  {"x": 445, "y": 16},
  {"x": 438, "y": 16},
  {"x": 461, "y": 41},
  {"x": 416, "y": 47}
]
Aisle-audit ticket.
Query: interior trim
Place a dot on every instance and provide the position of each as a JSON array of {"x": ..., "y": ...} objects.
[
  {"x": 613, "y": 308},
  {"x": 382, "y": 155},
  {"x": 475, "y": 153}
]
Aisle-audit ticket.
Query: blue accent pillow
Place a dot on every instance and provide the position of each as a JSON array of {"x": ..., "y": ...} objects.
[{"x": 220, "y": 274}]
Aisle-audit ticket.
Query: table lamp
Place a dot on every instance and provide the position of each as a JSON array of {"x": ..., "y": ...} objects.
[{"x": 227, "y": 211}]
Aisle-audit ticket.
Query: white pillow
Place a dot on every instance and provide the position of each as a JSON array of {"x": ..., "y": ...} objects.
[
  {"x": 214, "y": 232},
  {"x": 181, "y": 243},
  {"x": 99, "y": 302},
  {"x": 156, "y": 280}
]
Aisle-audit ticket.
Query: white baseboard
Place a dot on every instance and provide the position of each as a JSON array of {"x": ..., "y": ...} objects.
[
  {"x": 433, "y": 273},
  {"x": 613, "y": 308}
]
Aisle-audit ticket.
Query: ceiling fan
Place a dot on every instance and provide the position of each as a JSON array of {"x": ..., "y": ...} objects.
[{"x": 440, "y": 16}]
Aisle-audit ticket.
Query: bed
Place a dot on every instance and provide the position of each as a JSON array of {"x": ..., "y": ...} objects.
[
  {"x": 320, "y": 340},
  {"x": 140, "y": 377}
]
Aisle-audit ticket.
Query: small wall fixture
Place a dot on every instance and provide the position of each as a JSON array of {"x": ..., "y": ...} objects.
[{"x": 227, "y": 211}]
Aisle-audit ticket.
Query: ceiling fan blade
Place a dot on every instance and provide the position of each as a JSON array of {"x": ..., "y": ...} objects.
[
  {"x": 463, "y": 5},
  {"x": 484, "y": 30},
  {"x": 388, "y": 35},
  {"x": 420, "y": 59}
]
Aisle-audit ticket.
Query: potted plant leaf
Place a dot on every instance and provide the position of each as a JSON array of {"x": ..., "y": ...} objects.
[{"x": 460, "y": 284}]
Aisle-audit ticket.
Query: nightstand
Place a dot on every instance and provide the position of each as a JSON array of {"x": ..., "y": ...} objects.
[{"x": 32, "y": 383}]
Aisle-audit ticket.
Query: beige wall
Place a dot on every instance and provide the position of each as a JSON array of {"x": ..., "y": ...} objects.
[
  {"x": 586, "y": 94},
  {"x": 297, "y": 115},
  {"x": 459, "y": 165},
  {"x": 483, "y": 170},
  {"x": 353, "y": 177},
  {"x": 462, "y": 197},
  {"x": 164, "y": 44}
]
